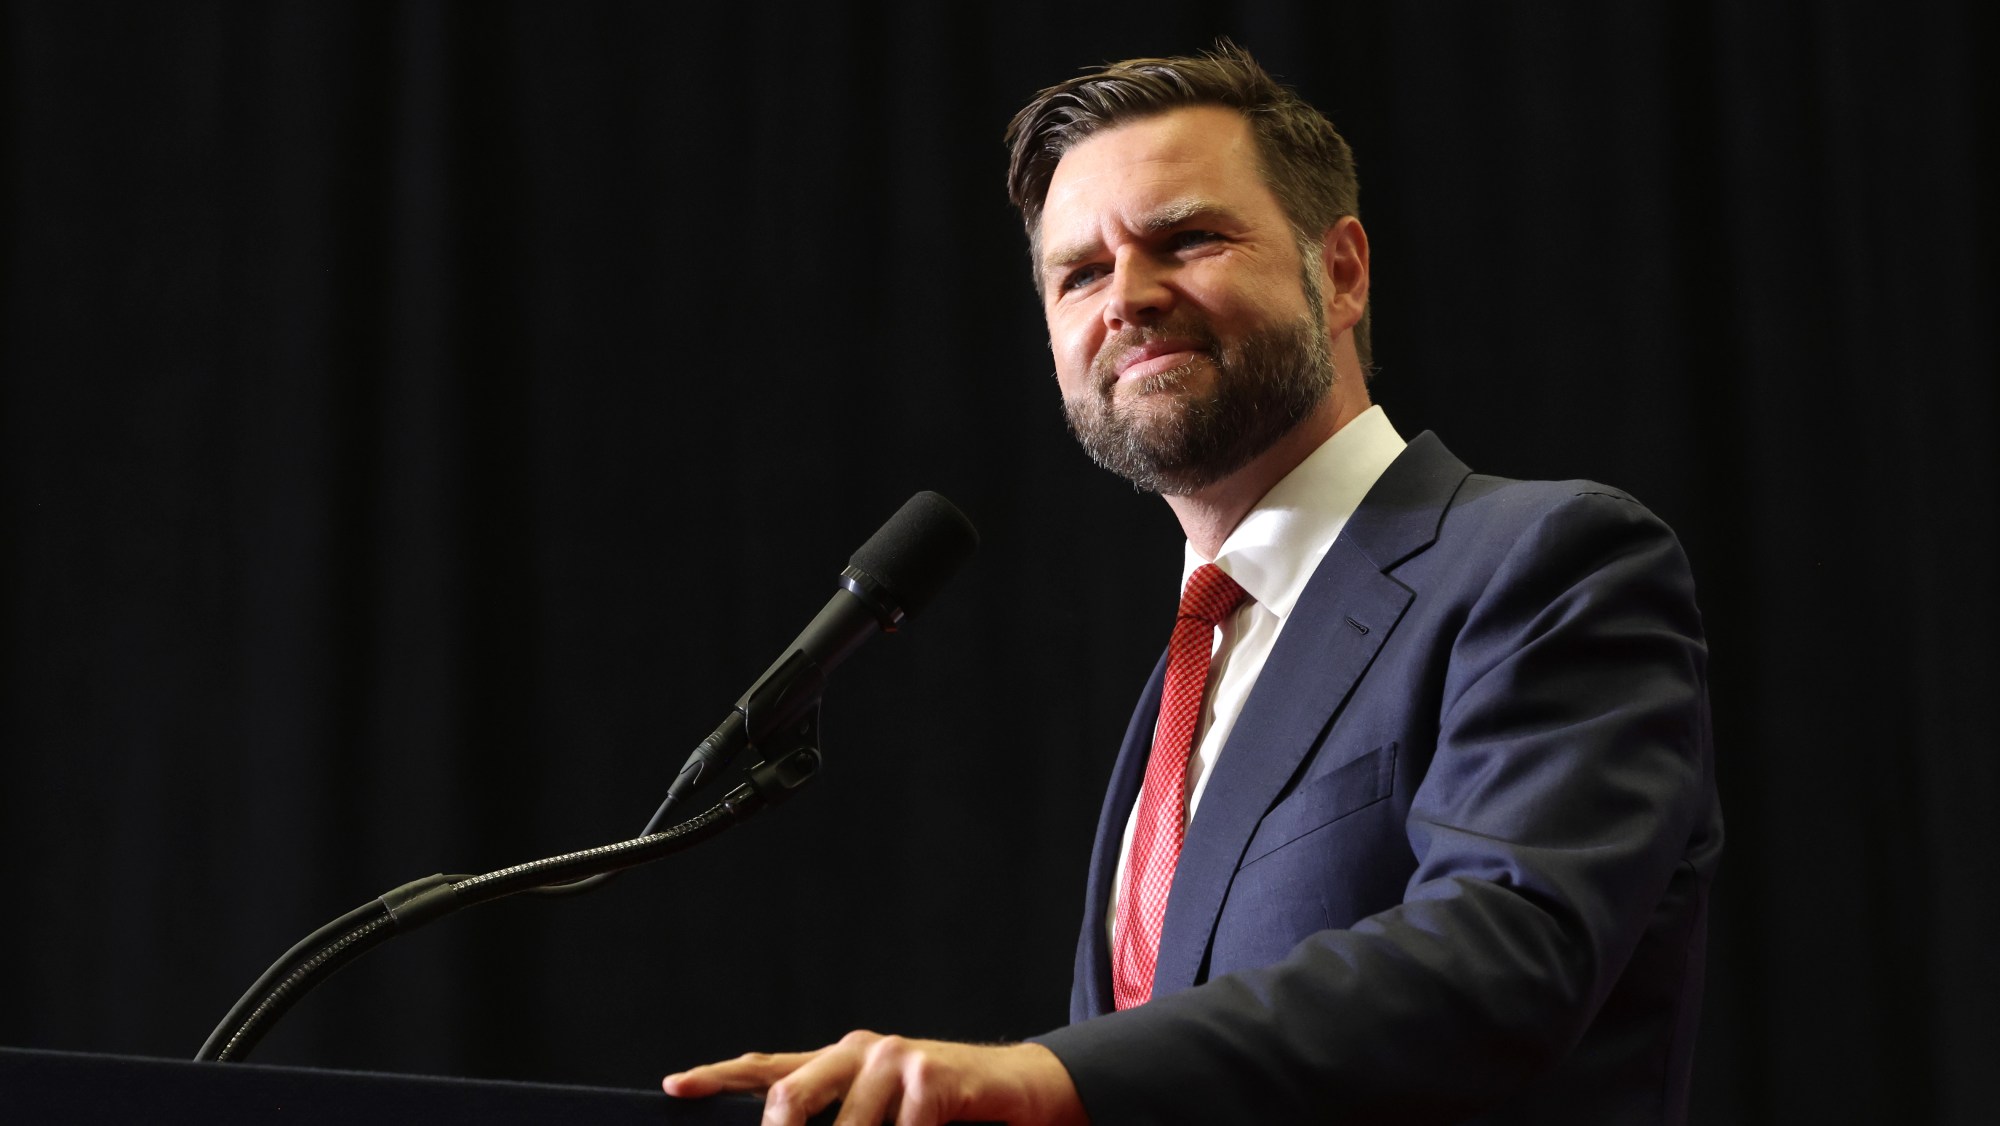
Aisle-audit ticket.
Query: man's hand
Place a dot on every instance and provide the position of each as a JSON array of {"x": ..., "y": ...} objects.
[{"x": 888, "y": 1078}]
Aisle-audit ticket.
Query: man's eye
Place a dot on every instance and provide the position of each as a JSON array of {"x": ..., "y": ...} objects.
[
  {"x": 1182, "y": 240},
  {"x": 1077, "y": 279}
]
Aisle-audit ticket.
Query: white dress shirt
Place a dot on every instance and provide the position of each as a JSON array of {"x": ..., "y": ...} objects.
[{"x": 1271, "y": 554}]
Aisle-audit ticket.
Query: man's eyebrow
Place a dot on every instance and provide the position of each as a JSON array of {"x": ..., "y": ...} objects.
[
  {"x": 1182, "y": 210},
  {"x": 1061, "y": 258},
  {"x": 1164, "y": 218}
]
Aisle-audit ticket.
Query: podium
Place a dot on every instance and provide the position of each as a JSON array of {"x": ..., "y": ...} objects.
[{"x": 76, "y": 1089}]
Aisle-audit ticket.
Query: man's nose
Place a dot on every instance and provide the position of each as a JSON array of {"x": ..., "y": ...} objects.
[{"x": 1139, "y": 290}]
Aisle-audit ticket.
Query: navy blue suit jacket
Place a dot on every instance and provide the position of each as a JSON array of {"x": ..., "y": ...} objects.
[{"x": 1453, "y": 863}]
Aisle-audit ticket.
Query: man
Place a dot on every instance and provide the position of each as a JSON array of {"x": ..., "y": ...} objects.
[{"x": 1426, "y": 771}]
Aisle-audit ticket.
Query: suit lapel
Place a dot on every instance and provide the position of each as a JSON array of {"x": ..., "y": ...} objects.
[{"x": 1347, "y": 610}]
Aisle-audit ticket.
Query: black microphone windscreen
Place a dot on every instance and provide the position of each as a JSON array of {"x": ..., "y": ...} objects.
[{"x": 923, "y": 545}]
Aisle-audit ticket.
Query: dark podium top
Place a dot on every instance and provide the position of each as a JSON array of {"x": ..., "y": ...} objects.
[{"x": 76, "y": 1090}]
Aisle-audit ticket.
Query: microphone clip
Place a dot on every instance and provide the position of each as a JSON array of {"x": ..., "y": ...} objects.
[{"x": 791, "y": 758}]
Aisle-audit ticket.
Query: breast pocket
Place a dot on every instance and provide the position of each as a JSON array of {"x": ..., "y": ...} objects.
[
  {"x": 1326, "y": 856},
  {"x": 1321, "y": 801}
]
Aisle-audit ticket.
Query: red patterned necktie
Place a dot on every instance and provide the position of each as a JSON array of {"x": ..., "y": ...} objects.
[{"x": 1211, "y": 596}]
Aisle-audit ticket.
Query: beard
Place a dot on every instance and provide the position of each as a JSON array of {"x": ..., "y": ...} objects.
[{"x": 1167, "y": 438}]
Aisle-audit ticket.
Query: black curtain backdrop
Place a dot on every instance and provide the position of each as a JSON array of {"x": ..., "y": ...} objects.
[{"x": 419, "y": 422}]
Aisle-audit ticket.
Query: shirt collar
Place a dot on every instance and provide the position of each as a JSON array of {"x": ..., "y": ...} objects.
[{"x": 1279, "y": 544}]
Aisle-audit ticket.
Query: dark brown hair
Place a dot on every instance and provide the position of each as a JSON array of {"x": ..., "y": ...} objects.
[{"x": 1303, "y": 159}]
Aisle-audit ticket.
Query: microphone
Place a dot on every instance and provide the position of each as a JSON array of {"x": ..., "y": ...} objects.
[{"x": 892, "y": 576}]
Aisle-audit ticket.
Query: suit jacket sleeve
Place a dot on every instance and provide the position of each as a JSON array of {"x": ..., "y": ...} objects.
[{"x": 1569, "y": 771}]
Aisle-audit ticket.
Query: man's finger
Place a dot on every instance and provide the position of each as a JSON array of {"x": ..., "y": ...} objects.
[{"x": 753, "y": 1071}]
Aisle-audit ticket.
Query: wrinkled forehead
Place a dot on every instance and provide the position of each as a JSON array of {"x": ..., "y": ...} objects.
[{"x": 1185, "y": 151}]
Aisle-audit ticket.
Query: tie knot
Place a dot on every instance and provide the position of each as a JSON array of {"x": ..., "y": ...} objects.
[{"x": 1211, "y": 595}]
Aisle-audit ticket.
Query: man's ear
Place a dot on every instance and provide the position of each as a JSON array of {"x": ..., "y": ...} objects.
[{"x": 1344, "y": 272}]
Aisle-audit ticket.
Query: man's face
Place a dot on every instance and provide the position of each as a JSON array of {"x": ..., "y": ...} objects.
[{"x": 1187, "y": 333}]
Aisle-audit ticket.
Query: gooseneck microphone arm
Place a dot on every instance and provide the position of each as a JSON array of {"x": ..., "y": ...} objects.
[
  {"x": 418, "y": 902},
  {"x": 894, "y": 574}
]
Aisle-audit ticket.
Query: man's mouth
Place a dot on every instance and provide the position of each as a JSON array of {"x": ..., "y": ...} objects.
[{"x": 1155, "y": 357}]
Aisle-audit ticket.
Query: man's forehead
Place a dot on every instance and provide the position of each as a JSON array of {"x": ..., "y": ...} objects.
[{"x": 1188, "y": 142}]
